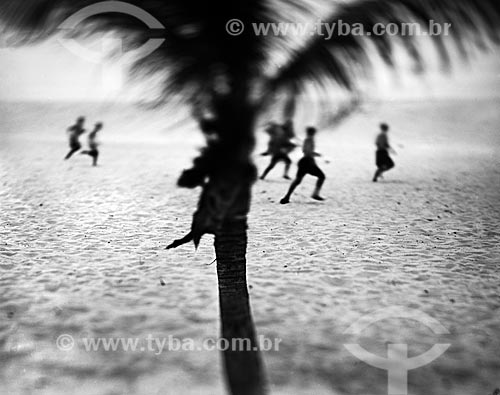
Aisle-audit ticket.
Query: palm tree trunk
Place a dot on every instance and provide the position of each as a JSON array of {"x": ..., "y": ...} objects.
[{"x": 243, "y": 367}]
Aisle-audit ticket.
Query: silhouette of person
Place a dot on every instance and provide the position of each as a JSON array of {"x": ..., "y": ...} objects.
[
  {"x": 279, "y": 147},
  {"x": 93, "y": 144},
  {"x": 307, "y": 165},
  {"x": 382, "y": 158},
  {"x": 75, "y": 131}
]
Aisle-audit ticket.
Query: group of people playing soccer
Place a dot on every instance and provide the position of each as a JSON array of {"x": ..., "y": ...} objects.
[
  {"x": 75, "y": 131},
  {"x": 282, "y": 142}
]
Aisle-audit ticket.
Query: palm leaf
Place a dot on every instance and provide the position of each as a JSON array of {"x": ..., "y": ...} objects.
[
  {"x": 197, "y": 48},
  {"x": 337, "y": 58}
]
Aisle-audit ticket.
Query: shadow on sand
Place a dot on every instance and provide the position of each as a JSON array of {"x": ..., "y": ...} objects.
[{"x": 400, "y": 182}]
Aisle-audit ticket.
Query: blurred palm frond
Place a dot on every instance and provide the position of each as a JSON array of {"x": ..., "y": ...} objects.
[
  {"x": 197, "y": 49},
  {"x": 199, "y": 58},
  {"x": 341, "y": 57}
]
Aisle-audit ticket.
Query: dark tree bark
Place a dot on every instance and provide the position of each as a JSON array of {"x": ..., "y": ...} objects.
[
  {"x": 226, "y": 173},
  {"x": 244, "y": 368}
]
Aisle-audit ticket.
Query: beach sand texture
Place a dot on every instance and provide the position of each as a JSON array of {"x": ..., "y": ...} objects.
[{"x": 82, "y": 253}]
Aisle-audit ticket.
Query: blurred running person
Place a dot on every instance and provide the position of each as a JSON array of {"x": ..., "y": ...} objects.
[
  {"x": 382, "y": 158},
  {"x": 279, "y": 147},
  {"x": 307, "y": 165},
  {"x": 93, "y": 144},
  {"x": 75, "y": 132}
]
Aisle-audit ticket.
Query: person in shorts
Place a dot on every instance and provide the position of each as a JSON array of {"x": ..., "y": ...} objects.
[
  {"x": 279, "y": 147},
  {"x": 75, "y": 132},
  {"x": 307, "y": 165},
  {"x": 93, "y": 151}
]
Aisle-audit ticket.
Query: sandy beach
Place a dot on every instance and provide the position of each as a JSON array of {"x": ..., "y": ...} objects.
[{"x": 82, "y": 253}]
